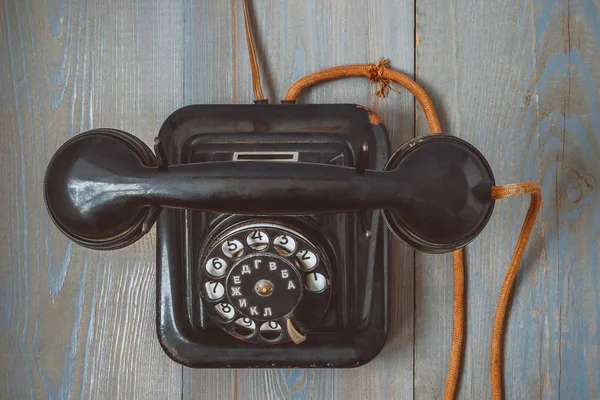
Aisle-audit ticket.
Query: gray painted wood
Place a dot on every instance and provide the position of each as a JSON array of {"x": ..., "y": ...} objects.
[
  {"x": 77, "y": 323},
  {"x": 517, "y": 79}
]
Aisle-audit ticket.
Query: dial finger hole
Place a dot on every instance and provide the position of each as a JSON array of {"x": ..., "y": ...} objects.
[
  {"x": 270, "y": 331},
  {"x": 244, "y": 326},
  {"x": 307, "y": 260},
  {"x": 284, "y": 245},
  {"x": 216, "y": 267},
  {"x": 225, "y": 311},
  {"x": 257, "y": 240},
  {"x": 214, "y": 290},
  {"x": 232, "y": 248},
  {"x": 315, "y": 282}
]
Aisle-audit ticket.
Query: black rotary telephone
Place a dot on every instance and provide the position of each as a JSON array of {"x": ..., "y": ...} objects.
[
  {"x": 270, "y": 234},
  {"x": 273, "y": 222}
]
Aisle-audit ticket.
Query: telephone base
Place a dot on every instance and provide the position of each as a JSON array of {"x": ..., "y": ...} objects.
[{"x": 354, "y": 326}]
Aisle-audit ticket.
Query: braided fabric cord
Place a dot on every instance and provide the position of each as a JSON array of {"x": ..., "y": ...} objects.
[
  {"x": 458, "y": 323},
  {"x": 256, "y": 86},
  {"x": 499, "y": 192},
  {"x": 381, "y": 73}
]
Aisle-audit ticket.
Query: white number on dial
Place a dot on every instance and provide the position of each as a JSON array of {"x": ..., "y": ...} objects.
[
  {"x": 306, "y": 259},
  {"x": 257, "y": 240},
  {"x": 216, "y": 267},
  {"x": 232, "y": 248},
  {"x": 270, "y": 330},
  {"x": 225, "y": 311},
  {"x": 284, "y": 244},
  {"x": 270, "y": 326},
  {"x": 214, "y": 290},
  {"x": 316, "y": 282},
  {"x": 244, "y": 326},
  {"x": 246, "y": 322}
]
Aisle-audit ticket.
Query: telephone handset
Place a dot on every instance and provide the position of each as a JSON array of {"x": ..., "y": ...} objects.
[{"x": 435, "y": 190}]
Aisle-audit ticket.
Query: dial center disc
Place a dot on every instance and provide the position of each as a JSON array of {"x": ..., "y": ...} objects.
[{"x": 264, "y": 287}]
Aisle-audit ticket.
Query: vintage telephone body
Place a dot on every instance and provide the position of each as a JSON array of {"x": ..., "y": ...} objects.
[{"x": 272, "y": 250}]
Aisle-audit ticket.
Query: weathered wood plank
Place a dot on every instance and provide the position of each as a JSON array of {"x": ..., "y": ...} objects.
[
  {"x": 572, "y": 170},
  {"x": 79, "y": 323},
  {"x": 294, "y": 39},
  {"x": 511, "y": 78},
  {"x": 138, "y": 80},
  {"x": 47, "y": 309},
  {"x": 479, "y": 62}
]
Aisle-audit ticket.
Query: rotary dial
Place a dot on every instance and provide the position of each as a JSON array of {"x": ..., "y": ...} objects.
[{"x": 257, "y": 276}]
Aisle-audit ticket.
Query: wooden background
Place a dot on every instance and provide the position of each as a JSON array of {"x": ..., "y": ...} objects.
[{"x": 519, "y": 79}]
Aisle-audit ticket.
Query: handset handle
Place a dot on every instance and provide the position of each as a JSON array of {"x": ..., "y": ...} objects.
[{"x": 250, "y": 187}]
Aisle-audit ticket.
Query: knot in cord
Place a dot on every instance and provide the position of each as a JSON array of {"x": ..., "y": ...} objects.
[{"x": 375, "y": 75}]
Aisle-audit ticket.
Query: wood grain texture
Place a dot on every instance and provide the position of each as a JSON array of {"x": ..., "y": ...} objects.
[
  {"x": 478, "y": 89},
  {"x": 519, "y": 80},
  {"x": 576, "y": 173},
  {"x": 78, "y": 323}
]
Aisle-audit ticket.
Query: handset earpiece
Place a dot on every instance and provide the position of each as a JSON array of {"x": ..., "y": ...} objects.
[
  {"x": 83, "y": 185},
  {"x": 451, "y": 193},
  {"x": 103, "y": 187}
]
